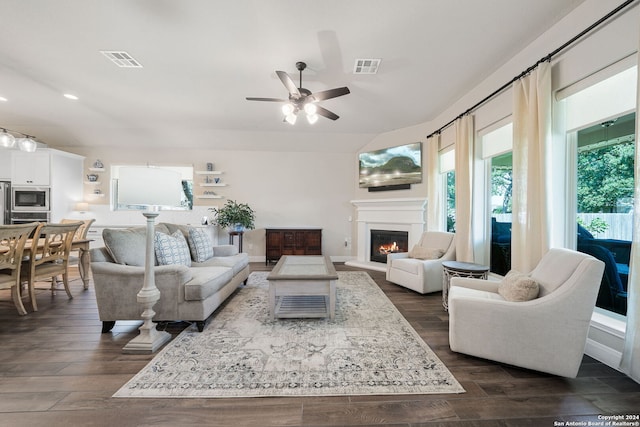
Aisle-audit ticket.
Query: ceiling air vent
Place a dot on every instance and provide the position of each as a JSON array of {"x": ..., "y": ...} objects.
[
  {"x": 121, "y": 59},
  {"x": 366, "y": 66}
]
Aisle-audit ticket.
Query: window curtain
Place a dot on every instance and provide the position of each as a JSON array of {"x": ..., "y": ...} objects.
[
  {"x": 434, "y": 186},
  {"x": 630, "y": 363},
  {"x": 532, "y": 100},
  {"x": 464, "y": 194}
]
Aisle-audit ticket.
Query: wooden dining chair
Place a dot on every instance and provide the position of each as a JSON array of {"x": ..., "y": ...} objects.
[
  {"x": 12, "y": 241},
  {"x": 50, "y": 257},
  {"x": 81, "y": 234}
]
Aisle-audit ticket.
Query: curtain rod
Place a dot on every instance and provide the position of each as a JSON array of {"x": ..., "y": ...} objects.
[{"x": 533, "y": 67}]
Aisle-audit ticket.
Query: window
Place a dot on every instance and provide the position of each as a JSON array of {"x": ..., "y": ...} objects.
[
  {"x": 497, "y": 144},
  {"x": 447, "y": 169},
  {"x": 601, "y": 142},
  {"x": 604, "y": 189}
]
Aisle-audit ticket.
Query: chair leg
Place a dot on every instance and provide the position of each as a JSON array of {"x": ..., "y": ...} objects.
[
  {"x": 65, "y": 280},
  {"x": 17, "y": 299},
  {"x": 32, "y": 294}
]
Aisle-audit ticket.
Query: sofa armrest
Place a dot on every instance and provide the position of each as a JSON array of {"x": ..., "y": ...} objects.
[
  {"x": 397, "y": 255},
  {"x": 225, "y": 250}
]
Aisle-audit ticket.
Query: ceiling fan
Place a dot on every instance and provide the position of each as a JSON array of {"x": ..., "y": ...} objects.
[{"x": 301, "y": 99}]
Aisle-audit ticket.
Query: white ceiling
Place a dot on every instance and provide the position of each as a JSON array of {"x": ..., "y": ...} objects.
[{"x": 202, "y": 58}]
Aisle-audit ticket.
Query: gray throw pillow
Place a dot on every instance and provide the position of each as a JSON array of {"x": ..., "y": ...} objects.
[
  {"x": 200, "y": 244},
  {"x": 126, "y": 246},
  {"x": 518, "y": 287}
]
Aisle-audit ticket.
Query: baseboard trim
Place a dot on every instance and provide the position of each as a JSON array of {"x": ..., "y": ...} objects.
[{"x": 604, "y": 354}]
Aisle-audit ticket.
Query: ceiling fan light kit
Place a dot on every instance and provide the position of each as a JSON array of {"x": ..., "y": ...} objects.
[{"x": 301, "y": 99}]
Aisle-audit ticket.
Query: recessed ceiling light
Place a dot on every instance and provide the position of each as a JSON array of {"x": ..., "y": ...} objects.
[
  {"x": 366, "y": 66},
  {"x": 70, "y": 96},
  {"x": 121, "y": 59},
  {"x": 3, "y": 99}
]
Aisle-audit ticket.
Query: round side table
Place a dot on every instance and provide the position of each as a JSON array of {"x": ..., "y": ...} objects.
[{"x": 460, "y": 269}]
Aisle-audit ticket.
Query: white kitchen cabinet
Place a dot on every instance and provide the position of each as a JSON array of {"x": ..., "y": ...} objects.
[{"x": 31, "y": 168}]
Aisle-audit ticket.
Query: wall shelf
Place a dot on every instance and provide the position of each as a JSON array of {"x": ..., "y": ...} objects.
[
  {"x": 209, "y": 172},
  {"x": 93, "y": 182},
  {"x": 97, "y": 169},
  {"x": 213, "y": 184},
  {"x": 209, "y": 196}
]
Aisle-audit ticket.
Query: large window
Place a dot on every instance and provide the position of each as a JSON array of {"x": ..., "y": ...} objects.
[
  {"x": 604, "y": 188},
  {"x": 447, "y": 169},
  {"x": 601, "y": 143},
  {"x": 496, "y": 151}
]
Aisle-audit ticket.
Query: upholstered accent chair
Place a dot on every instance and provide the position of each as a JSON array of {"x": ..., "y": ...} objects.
[
  {"x": 12, "y": 241},
  {"x": 547, "y": 333},
  {"x": 420, "y": 269}
]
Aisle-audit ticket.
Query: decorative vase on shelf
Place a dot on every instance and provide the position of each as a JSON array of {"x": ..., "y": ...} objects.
[{"x": 98, "y": 164}]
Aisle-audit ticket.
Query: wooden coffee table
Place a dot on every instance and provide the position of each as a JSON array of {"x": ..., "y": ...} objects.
[{"x": 302, "y": 286}]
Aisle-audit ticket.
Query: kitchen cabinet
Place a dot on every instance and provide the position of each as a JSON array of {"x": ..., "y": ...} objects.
[
  {"x": 31, "y": 169},
  {"x": 292, "y": 241}
]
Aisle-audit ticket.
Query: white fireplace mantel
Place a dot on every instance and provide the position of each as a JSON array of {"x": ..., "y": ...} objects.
[{"x": 402, "y": 214}]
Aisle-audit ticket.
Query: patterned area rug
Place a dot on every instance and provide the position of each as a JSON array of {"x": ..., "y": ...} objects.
[{"x": 368, "y": 349}]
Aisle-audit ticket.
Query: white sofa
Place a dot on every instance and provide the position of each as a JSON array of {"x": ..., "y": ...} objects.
[
  {"x": 422, "y": 275},
  {"x": 189, "y": 293},
  {"x": 547, "y": 333}
]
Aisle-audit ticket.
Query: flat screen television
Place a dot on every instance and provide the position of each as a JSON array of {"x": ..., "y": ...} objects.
[{"x": 393, "y": 166}]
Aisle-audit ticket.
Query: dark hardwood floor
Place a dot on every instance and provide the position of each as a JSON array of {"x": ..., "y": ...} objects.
[{"x": 57, "y": 369}]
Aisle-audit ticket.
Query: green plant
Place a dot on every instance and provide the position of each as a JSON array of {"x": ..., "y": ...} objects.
[
  {"x": 596, "y": 226},
  {"x": 234, "y": 214}
]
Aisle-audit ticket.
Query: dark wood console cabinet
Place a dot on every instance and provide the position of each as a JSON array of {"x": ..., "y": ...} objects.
[{"x": 292, "y": 241}]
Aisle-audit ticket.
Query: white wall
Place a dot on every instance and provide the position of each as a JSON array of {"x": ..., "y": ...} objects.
[{"x": 285, "y": 189}]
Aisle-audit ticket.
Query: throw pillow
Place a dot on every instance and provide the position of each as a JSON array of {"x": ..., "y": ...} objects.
[
  {"x": 200, "y": 244},
  {"x": 420, "y": 252},
  {"x": 518, "y": 287},
  {"x": 126, "y": 246},
  {"x": 172, "y": 249}
]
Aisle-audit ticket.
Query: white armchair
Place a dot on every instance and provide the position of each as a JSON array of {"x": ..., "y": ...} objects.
[
  {"x": 422, "y": 275},
  {"x": 547, "y": 333}
]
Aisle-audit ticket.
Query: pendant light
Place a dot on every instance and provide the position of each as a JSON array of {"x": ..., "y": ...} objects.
[{"x": 6, "y": 139}]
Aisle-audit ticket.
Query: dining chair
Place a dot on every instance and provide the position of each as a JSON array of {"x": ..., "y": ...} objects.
[
  {"x": 12, "y": 241},
  {"x": 49, "y": 257},
  {"x": 80, "y": 234}
]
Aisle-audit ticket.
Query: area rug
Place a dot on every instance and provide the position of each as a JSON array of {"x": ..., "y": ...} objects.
[{"x": 369, "y": 349}]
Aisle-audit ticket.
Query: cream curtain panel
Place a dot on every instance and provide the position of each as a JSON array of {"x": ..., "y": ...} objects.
[
  {"x": 532, "y": 100},
  {"x": 464, "y": 199},
  {"x": 630, "y": 363},
  {"x": 435, "y": 213}
]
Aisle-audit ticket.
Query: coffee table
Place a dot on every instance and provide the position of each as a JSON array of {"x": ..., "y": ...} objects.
[{"x": 302, "y": 286}]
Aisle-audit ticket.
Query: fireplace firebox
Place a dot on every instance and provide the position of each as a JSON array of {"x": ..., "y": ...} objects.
[{"x": 384, "y": 242}]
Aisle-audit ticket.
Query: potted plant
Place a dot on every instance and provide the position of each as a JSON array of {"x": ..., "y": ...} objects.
[{"x": 235, "y": 216}]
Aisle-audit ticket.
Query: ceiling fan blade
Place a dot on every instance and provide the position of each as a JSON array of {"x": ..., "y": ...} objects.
[
  {"x": 326, "y": 113},
  {"x": 267, "y": 99},
  {"x": 331, "y": 93},
  {"x": 288, "y": 83}
]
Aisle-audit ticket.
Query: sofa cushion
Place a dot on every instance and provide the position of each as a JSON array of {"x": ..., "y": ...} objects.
[
  {"x": 200, "y": 244},
  {"x": 172, "y": 249},
  {"x": 420, "y": 252},
  {"x": 236, "y": 262},
  {"x": 461, "y": 291},
  {"x": 126, "y": 246},
  {"x": 206, "y": 281},
  {"x": 517, "y": 286}
]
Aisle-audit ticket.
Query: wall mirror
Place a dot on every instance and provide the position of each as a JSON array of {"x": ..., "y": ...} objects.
[{"x": 186, "y": 182}]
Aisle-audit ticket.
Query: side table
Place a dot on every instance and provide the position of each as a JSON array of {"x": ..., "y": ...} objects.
[
  {"x": 239, "y": 234},
  {"x": 460, "y": 269}
]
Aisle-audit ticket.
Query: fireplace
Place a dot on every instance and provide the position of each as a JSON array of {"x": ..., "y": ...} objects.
[{"x": 384, "y": 242}]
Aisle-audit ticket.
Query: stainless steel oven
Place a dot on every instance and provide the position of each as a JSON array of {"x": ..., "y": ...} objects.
[
  {"x": 27, "y": 217},
  {"x": 29, "y": 199}
]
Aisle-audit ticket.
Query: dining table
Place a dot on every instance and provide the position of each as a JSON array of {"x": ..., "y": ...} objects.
[{"x": 81, "y": 245}]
